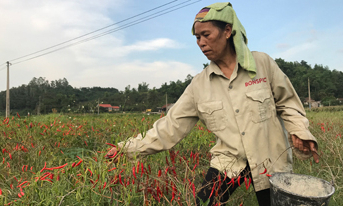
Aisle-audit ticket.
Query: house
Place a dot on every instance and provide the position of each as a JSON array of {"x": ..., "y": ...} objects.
[
  {"x": 313, "y": 102},
  {"x": 340, "y": 100},
  {"x": 115, "y": 108},
  {"x": 109, "y": 107},
  {"x": 166, "y": 107}
]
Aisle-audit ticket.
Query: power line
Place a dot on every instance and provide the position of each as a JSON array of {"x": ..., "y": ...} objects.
[
  {"x": 132, "y": 17},
  {"x": 114, "y": 30},
  {"x": 3, "y": 68}
]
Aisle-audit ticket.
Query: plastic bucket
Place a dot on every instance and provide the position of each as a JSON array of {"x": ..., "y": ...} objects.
[{"x": 288, "y": 189}]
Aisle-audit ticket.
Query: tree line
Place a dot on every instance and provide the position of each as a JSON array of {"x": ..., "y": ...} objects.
[{"x": 40, "y": 96}]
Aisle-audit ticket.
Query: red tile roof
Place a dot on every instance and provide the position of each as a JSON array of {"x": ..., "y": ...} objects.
[{"x": 105, "y": 105}]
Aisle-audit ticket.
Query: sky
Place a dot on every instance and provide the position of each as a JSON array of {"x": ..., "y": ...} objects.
[{"x": 155, "y": 50}]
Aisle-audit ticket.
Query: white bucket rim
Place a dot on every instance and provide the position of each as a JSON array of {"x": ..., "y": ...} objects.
[{"x": 298, "y": 195}]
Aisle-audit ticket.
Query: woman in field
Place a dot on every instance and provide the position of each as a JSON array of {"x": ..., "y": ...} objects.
[{"x": 245, "y": 100}]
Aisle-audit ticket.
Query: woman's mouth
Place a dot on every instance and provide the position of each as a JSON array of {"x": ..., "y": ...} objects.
[{"x": 206, "y": 52}]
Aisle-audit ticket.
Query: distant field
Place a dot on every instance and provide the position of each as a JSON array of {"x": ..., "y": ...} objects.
[{"x": 59, "y": 160}]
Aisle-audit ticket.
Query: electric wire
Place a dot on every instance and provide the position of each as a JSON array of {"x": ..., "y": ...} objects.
[
  {"x": 113, "y": 30},
  {"x": 3, "y": 68},
  {"x": 132, "y": 17}
]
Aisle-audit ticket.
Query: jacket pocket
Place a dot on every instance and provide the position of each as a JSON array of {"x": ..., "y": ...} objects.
[
  {"x": 213, "y": 115},
  {"x": 260, "y": 105}
]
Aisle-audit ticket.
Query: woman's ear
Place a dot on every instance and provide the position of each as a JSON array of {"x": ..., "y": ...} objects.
[{"x": 228, "y": 31}]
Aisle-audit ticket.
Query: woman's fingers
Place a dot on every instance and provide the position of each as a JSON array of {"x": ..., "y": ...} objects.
[
  {"x": 111, "y": 153},
  {"x": 314, "y": 152},
  {"x": 305, "y": 146}
]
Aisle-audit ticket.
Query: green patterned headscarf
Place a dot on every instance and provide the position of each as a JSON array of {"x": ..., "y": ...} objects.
[{"x": 225, "y": 13}]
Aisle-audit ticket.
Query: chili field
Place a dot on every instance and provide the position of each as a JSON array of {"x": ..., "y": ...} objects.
[{"x": 60, "y": 160}]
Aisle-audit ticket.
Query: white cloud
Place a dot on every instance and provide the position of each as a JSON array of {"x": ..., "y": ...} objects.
[
  {"x": 35, "y": 25},
  {"x": 313, "y": 46},
  {"x": 120, "y": 75},
  {"x": 151, "y": 45}
]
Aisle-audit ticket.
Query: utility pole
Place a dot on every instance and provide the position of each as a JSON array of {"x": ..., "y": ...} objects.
[
  {"x": 309, "y": 93},
  {"x": 98, "y": 106},
  {"x": 166, "y": 102},
  {"x": 8, "y": 91}
]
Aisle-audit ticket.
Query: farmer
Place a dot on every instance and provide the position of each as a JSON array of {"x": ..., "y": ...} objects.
[{"x": 245, "y": 100}]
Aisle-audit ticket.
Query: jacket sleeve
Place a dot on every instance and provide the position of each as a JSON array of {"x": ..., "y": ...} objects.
[
  {"x": 167, "y": 131},
  {"x": 290, "y": 108}
]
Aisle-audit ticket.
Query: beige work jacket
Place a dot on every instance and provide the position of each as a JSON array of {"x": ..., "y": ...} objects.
[{"x": 242, "y": 113}]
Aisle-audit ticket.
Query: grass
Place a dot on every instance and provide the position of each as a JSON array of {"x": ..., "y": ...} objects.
[{"x": 30, "y": 142}]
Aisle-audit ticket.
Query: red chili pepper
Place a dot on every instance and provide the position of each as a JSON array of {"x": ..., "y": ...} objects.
[
  {"x": 90, "y": 172},
  {"x": 111, "y": 144},
  {"x": 58, "y": 167},
  {"x": 212, "y": 190},
  {"x": 104, "y": 185},
  {"x": 174, "y": 172},
  {"x": 10, "y": 155},
  {"x": 224, "y": 176},
  {"x": 173, "y": 193},
  {"x": 39, "y": 153},
  {"x": 239, "y": 180},
  {"x": 18, "y": 115},
  {"x": 121, "y": 182},
  {"x": 159, "y": 173},
  {"x": 166, "y": 170},
  {"x": 268, "y": 175},
  {"x": 113, "y": 155},
  {"x": 78, "y": 163},
  {"x": 134, "y": 172},
  {"x": 194, "y": 167},
  {"x": 22, "y": 169},
  {"x": 142, "y": 169},
  {"x": 22, "y": 183},
  {"x": 193, "y": 187},
  {"x": 232, "y": 181},
  {"x": 149, "y": 169},
  {"x": 264, "y": 172},
  {"x": 43, "y": 167},
  {"x": 246, "y": 183}
]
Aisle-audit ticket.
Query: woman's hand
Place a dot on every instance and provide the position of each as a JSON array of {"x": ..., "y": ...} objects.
[
  {"x": 305, "y": 146},
  {"x": 113, "y": 153}
]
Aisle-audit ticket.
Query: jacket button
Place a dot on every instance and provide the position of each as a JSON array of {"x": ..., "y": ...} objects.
[
  {"x": 237, "y": 110},
  {"x": 230, "y": 87},
  {"x": 243, "y": 133}
]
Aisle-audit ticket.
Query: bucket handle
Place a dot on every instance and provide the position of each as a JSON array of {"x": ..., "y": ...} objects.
[{"x": 333, "y": 178}]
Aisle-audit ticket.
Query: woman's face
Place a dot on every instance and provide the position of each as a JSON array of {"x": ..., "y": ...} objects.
[{"x": 211, "y": 40}]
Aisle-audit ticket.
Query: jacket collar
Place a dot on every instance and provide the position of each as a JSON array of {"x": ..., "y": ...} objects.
[{"x": 213, "y": 69}]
